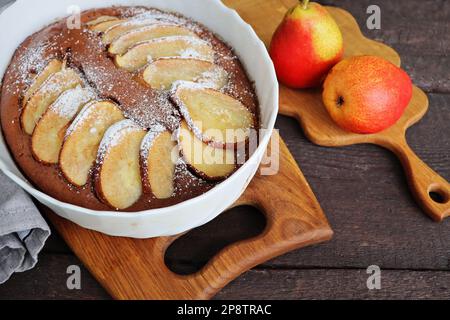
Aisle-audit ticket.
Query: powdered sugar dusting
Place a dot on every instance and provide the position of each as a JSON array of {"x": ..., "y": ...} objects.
[
  {"x": 147, "y": 143},
  {"x": 193, "y": 51},
  {"x": 153, "y": 18},
  {"x": 190, "y": 53},
  {"x": 147, "y": 28},
  {"x": 194, "y": 41},
  {"x": 139, "y": 14},
  {"x": 114, "y": 135},
  {"x": 56, "y": 83},
  {"x": 213, "y": 78},
  {"x": 84, "y": 114},
  {"x": 184, "y": 179},
  {"x": 158, "y": 16},
  {"x": 33, "y": 59},
  {"x": 180, "y": 85},
  {"x": 68, "y": 103},
  {"x": 136, "y": 23},
  {"x": 140, "y": 112},
  {"x": 100, "y": 76}
]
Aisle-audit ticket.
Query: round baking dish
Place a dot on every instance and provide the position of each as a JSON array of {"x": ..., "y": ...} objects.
[{"x": 189, "y": 214}]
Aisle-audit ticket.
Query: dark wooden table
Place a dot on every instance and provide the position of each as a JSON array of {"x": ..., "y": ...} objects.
[{"x": 362, "y": 190}]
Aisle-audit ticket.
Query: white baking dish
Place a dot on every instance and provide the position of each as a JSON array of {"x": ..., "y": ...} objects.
[{"x": 26, "y": 17}]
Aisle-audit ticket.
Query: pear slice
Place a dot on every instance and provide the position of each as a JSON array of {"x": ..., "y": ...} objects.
[
  {"x": 101, "y": 19},
  {"x": 158, "y": 161},
  {"x": 120, "y": 29},
  {"x": 177, "y": 46},
  {"x": 52, "y": 67},
  {"x": 161, "y": 74},
  {"x": 47, "y": 93},
  {"x": 106, "y": 25},
  {"x": 215, "y": 117},
  {"x": 118, "y": 180},
  {"x": 206, "y": 161},
  {"x": 126, "y": 41},
  {"x": 83, "y": 137},
  {"x": 49, "y": 133}
]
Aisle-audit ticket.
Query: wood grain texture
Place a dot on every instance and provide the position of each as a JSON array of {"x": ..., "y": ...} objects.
[
  {"x": 48, "y": 281},
  {"x": 417, "y": 29},
  {"x": 338, "y": 284},
  {"x": 136, "y": 269},
  {"x": 307, "y": 107}
]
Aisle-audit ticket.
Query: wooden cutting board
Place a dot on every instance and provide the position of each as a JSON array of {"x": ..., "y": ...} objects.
[
  {"x": 431, "y": 191},
  {"x": 135, "y": 269}
]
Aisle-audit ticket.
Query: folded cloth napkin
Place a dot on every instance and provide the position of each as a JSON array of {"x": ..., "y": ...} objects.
[
  {"x": 5, "y": 4},
  {"x": 23, "y": 231}
]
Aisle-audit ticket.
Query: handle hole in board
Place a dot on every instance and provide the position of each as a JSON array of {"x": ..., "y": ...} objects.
[
  {"x": 192, "y": 251},
  {"x": 438, "y": 195}
]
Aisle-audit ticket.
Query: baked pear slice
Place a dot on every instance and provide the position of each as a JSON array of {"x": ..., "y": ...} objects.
[
  {"x": 128, "y": 40},
  {"x": 158, "y": 157},
  {"x": 118, "y": 179},
  {"x": 48, "y": 136},
  {"x": 204, "y": 160},
  {"x": 52, "y": 67},
  {"x": 47, "y": 93},
  {"x": 101, "y": 19},
  {"x": 177, "y": 46},
  {"x": 83, "y": 137},
  {"x": 106, "y": 25},
  {"x": 161, "y": 74},
  {"x": 215, "y": 117},
  {"x": 120, "y": 29}
]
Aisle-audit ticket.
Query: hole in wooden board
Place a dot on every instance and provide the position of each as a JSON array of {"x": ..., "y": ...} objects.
[
  {"x": 438, "y": 195},
  {"x": 192, "y": 251}
]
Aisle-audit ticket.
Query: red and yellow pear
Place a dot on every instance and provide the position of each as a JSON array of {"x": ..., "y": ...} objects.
[
  {"x": 306, "y": 45},
  {"x": 366, "y": 94}
]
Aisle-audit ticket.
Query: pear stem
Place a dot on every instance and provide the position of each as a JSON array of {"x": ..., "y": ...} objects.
[{"x": 304, "y": 4}]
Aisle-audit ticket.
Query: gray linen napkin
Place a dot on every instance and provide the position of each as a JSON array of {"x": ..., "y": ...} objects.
[
  {"x": 5, "y": 4},
  {"x": 23, "y": 231}
]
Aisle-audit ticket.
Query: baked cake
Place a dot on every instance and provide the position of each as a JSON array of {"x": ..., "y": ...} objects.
[{"x": 114, "y": 114}]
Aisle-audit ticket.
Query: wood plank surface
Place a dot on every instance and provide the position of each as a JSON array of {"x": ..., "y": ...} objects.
[
  {"x": 337, "y": 284},
  {"x": 417, "y": 30},
  {"x": 48, "y": 280},
  {"x": 361, "y": 188}
]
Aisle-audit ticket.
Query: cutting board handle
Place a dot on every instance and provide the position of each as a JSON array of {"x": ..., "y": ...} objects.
[
  {"x": 290, "y": 212},
  {"x": 136, "y": 269},
  {"x": 424, "y": 182}
]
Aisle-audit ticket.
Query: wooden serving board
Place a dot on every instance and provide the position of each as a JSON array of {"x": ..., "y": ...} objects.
[
  {"x": 135, "y": 269},
  {"x": 307, "y": 107}
]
